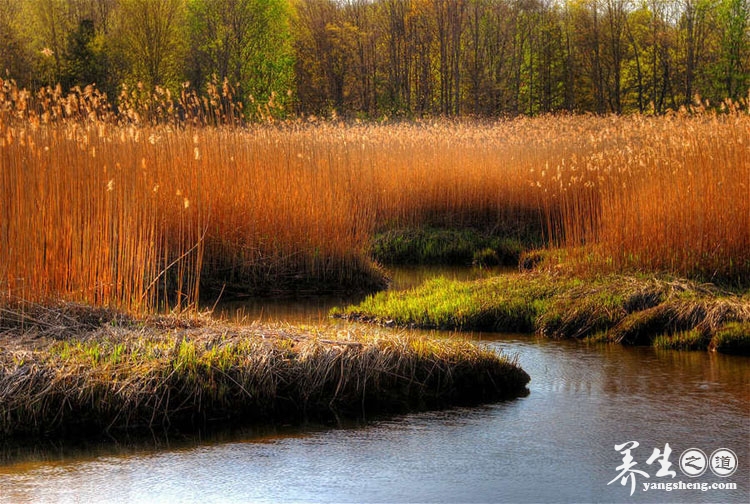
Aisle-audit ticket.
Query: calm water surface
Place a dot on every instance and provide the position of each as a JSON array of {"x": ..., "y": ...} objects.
[{"x": 555, "y": 445}]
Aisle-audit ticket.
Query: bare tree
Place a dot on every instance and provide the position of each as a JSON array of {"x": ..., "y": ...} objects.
[{"x": 151, "y": 32}]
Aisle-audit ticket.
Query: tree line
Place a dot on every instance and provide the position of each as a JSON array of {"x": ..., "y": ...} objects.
[{"x": 370, "y": 58}]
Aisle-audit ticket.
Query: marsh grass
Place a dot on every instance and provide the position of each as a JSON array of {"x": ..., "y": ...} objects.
[
  {"x": 160, "y": 372},
  {"x": 506, "y": 303},
  {"x": 622, "y": 309},
  {"x": 684, "y": 340},
  {"x": 145, "y": 206}
]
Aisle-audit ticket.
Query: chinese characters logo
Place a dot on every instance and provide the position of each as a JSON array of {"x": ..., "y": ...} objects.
[{"x": 693, "y": 462}]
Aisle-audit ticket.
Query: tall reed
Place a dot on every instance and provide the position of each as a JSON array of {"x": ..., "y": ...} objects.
[
  {"x": 88, "y": 214},
  {"x": 681, "y": 198},
  {"x": 138, "y": 211}
]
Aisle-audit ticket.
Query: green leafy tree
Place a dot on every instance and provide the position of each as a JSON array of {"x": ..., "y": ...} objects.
[
  {"x": 46, "y": 28},
  {"x": 247, "y": 42},
  {"x": 733, "y": 70},
  {"x": 86, "y": 58},
  {"x": 15, "y": 60}
]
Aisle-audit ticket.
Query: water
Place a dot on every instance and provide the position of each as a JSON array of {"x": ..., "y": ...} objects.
[{"x": 555, "y": 445}]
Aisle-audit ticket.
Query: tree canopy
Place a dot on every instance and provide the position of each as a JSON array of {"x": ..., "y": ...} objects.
[{"x": 370, "y": 58}]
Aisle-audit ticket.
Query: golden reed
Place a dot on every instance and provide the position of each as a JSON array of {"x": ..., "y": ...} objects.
[{"x": 139, "y": 207}]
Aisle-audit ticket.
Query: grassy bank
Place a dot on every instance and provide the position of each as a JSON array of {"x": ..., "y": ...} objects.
[
  {"x": 629, "y": 310},
  {"x": 73, "y": 369}
]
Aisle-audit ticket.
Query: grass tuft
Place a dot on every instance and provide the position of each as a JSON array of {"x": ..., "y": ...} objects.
[
  {"x": 733, "y": 338},
  {"x": 446, "y": 246},
  {"x": 683, "y": 340}
]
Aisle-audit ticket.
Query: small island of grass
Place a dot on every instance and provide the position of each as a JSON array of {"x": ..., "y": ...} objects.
[{"x": 73, "y": 369}]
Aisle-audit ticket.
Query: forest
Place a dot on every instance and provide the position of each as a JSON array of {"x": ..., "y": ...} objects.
[{"x": 371, "y": 59}]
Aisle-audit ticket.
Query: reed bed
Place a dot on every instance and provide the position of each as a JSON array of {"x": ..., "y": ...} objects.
[
  {"x": 68, "y": 369},
  {"x": 145, "y": 206}
]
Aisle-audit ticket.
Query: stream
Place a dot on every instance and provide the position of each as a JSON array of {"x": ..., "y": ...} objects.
[{"x": 555, "y": 445}]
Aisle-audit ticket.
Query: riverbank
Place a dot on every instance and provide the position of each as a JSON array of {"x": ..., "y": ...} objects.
[
  {"x": 577, "y": 400},
  {"x": 664, "y": 312},
  {"x": 73, "y": 369}
]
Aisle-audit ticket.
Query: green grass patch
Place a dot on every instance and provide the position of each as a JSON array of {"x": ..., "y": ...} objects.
[
  {"x": 622, "y": 309},
  {"x": 684, "y": 340},
  {"x": 501, "y": 303},
  {"x": 446, "y": 246},
  {"x": 733, "y": 338}
]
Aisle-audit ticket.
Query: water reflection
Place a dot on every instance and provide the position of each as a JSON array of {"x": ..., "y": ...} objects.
[{"x": 22, "y": 453}]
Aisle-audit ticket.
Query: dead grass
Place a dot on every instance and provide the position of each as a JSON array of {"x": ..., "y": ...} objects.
[
  {"x": 682, "y": 204},
  {"x": 125, "y": 373}
]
